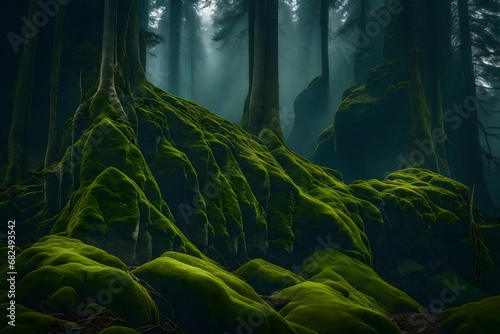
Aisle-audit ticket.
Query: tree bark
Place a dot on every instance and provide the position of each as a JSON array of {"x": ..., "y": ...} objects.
[
  {"x": 251, "y": 38},
  {"x": 471, "y": 172},
  {"x": 419, "y": 109},
  {"x": 143, "y": 13},
  {"x": 23, "y": 93},
  {"x": 325, "y": 62},
  {"x": 175, "y": 22},
  {"x": 263, "y": 111},
  {"x": 271, "y": 106}
]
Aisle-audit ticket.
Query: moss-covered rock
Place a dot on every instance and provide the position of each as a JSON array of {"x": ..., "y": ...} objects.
[
  {"x": 323, "y": 309},
  {"x": 62, "y": 275},
  {"x": 188, "y": 288},
  {"x": 478, "y": 317},
  {"x": 426, "y": 229},
  {"x": 361, "y": 143},
  {"x": 355, "y": 279},
  {"x": 267, "y": 278},
  {"x": 29, "y": 321}
]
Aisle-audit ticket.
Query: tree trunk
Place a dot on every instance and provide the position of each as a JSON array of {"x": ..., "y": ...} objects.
[
  {"x": 251, "y": 41},
  {"x": 49, "y": 185},
  {"x": 106, "y": 99},
  {"x": 252, "y": 121},
  {"x": 54, "y": 87},
  {"x": 325, "y": 63},
  {"x": 419, "y": 109},
  {"x": 271, "y": 106},
  {"x": 263, "y": 111},
  {"x": 436, "y": 52},
  {"x": 471, "y": 172},
  {"x": 22, "y": 105},
  {"x": 174, "y": 66},
  {"x": 143, "y": 13}
]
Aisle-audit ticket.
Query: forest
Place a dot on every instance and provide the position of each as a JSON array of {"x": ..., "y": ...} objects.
[{"x": 250, "y": 166}]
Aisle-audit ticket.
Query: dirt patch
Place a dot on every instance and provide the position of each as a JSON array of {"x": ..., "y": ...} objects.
[{"x": 417, "y": 323}]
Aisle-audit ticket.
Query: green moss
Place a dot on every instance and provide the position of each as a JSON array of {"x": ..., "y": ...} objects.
[
  {"x": 29, "y": 321},
  {"x": 217, "y": 300},
  {"x": 65, "y": 276},
  {"x": 62, "y": 301},
  {"x": 117, "y": 217},
  {"x": 266, "y": 278},
  {"x": 478, "y": 317},
  {"x": 320, "y": 308},
  {"x": 334, "y": 265}
]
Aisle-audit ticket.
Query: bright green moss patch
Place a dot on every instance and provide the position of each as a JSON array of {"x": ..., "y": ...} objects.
[
  {"x": 56, "y": 250},
  {"x": 62, "y": 301},
  {"x": 117, "y": 216},
  {"x": 105, "y": 286},
  {"x": 320, "y": 308},
  {"x": 217, "y": 302},
  {"x": 266, "y": 278},
  {"x": 336, "y": 266},
  {"x": 29, "y": 321},
  {"x": 478, "y": 317},
  {"x": 65, "y": 276}
]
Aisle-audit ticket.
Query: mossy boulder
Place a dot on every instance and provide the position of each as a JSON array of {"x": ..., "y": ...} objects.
[
  {"x": 361, "y": 143},
  {"x": 267, "y": 278},
  {"x": 62, "y": 275},
  {"x": 323, "y": 309},
  {"x": 478, "y": 317},
  {"x": 114, "y": 214},
  {"x": 356, "y": 280},
  {"x": 426, "y": 229},
  {"x": 188, "y": 289},
  {"x": 30, "y": 321}
]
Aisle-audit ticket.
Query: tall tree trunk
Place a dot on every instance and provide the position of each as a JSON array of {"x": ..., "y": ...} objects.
[
  {"x": 175, "y": 23},
  {"x": 436, "y": 32},
  {"x": 271, "y": 106},
  {"x": 106, "y": 91},
  {"x": 471, "y": 172},
  {"x": 54, "y": 87},
  {"x": 49, "y": 184},
  {"x": 252, "y": 120},
  {"x": 325, "y": 62},
  {"x": 23, "y": 93},
  {"x": 419, "y": 109},
  {"x": 134, "y": 50},
  {"x": 251, "y": 42},
  {"x": 143, "y": 13},
  {"x": 360, "y": 52},
  {"x": 263, "y": 111}
]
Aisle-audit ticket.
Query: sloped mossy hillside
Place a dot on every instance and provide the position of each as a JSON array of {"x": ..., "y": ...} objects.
[
  {"x": 478, "y": 317},
  {"x": 371, "y": 125},
  {"x": 177, "y": 177},
  {"x": 173, "y": 188}
]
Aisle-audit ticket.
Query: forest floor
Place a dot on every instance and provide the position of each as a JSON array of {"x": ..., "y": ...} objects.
[{"x": 417, "y": 323}]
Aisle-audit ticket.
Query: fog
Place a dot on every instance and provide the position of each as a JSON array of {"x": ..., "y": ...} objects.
[{"x": 219, "y": 79}]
